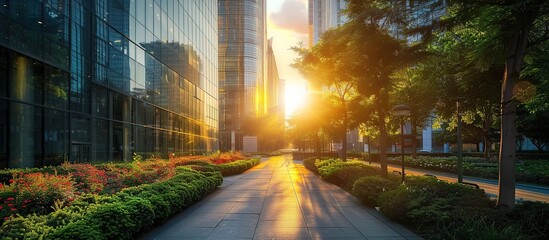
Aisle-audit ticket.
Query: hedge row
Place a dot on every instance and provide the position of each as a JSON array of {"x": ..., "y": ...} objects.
[
  {"x": 529, "y": 171},
  {"x": 237, "y": 167},
  {"x": 438, "y": 209},
  {"x": 119, "y": 216},
  {"x": 342, "y": 173}
]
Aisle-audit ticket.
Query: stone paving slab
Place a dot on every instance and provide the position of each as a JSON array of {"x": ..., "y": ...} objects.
[{"x": 279, "y": 199}]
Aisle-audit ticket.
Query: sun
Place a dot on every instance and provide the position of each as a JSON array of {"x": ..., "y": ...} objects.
[{"x": 295, "y": 95}]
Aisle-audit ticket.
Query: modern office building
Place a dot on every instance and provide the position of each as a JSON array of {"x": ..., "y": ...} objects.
[
  {"x": 242, "y": 66},
  {"x": 323, "y": 15},
  {"x": 274, "y": 101},
  {"x": 100, "y": 80},
  {"x": 274, "y": 96}
]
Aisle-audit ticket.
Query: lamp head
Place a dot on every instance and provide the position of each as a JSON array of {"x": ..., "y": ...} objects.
[{"x": 401, "y": 110}]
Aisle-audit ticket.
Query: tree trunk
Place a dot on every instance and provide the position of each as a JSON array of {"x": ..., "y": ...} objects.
[
  {"x": 344, "y": 139},
  {"x": 515, "y": 55},
  {"x": 382, "y": 137},
  {"x": 486, "y": 131},
  {"x": 317, "y": 146},
  {"x": 413, "y": 136}
]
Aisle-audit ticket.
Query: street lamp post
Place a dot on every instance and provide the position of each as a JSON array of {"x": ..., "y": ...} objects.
[
  {"x": 459, "y": 140},
  {"x": 401, "y": 111}
]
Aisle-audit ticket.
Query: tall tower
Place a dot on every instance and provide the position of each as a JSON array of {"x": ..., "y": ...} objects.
[
  {"x": 242, "y": 49},
  {"x": 323, "y": 15}
]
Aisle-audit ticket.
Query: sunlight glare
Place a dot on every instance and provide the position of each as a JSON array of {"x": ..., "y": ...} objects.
[{"x": 295, "y": 95}]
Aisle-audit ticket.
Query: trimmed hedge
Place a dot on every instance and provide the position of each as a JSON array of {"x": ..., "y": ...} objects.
[
  {"x": 309, "y": 163},
  {"x": 368, "y": 189},
  {"x": 437, "y": 209},
  {"x": 529, "y": 171},
  {"x": 120, "y": 216},
  {"x": 344, "y": 174},
  {"x": 445, "y": 210},
  {"x": 237, "y": 167}
]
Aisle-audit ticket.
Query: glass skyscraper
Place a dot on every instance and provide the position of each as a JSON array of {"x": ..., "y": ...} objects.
[
  {"x": 242, "y": 53},
  {"x": 99, "y": 80}
]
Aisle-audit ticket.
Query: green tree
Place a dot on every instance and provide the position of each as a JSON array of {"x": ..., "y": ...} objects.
[
  {"x": 324, "y": 66},
  {"x": 410, "y": 88},
  {"x": 373, "y": 54},
  {"x": 519, "y": 24}
]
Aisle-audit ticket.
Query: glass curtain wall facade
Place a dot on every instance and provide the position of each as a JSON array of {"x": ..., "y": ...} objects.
[
  {"x": 323, "y": 15},
  {"x": 242, "y": 47},
  {"x": 99, "y": 80}
]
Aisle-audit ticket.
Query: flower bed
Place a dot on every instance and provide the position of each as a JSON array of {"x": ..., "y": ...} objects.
[
  {"x": 38, "y": 191},
  {"x": 441, "y": 210},
  {"x": 119, "y": 216}
]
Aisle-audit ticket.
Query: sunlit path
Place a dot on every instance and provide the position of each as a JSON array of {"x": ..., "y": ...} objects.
[{"x": 279, "y": 199}]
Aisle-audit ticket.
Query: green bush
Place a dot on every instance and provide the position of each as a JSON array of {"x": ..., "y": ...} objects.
[
  {"x": 326, "y": 162},
  {"x": 29, "y": 227},
  {"x": 395, "y": 203},
  {"x": 77, "y": 230},
  {"x": 533, "y": 217},
  {"x": 473, "y": 227},
  {"x": 368, "y": 189},
  {"x": 120, "y": 216},
  {"x": 309, "y": 163},
  {"x": 345, "y": 173},
  {"x": 237, "y": 167}
]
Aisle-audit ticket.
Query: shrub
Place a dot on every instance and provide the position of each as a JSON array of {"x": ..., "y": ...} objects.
[
  {"x": 309, "y": 163},
  {"x": 237, "y": 167},
  {"x": 34, "y": 193},
  {"x": 533, "y": 217},
  {"x": 77, "y": 230},
  {"x": 394, "y": 203},
  {"x": 368, "y": 189},
  {"x": 345, "y": 173},
  {"x": 326, "y": 162},
  {"x": 87, "y": 178},
  {"x": 473, "y": 227},
  {"x": 19, "y": 227},
  {"x": 120, "y": 216}
]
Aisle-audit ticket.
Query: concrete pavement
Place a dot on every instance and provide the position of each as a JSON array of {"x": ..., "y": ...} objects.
[{"x": 279, "y": 199}]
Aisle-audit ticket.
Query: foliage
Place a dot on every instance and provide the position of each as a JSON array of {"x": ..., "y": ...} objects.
[
  {"x": 310, "y": 163},
  {"x": 42, "y": 191},
  {"x": 368, "y": 189},
  {"x": 120, "y": 216},
  {"x": 394, "y": 203},
  {"x": 451, "y": 211},
  {"x": 532, "y": 171},
  {"x": 344, "y": 173},
  {"x": 237, "y": 167},
  {"x": 34, "y": 193}
]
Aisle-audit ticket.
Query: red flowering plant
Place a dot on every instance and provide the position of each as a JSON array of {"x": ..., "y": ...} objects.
[
  {"x": 88, "y": 178},
  {"x": 34, "y": 193},
  {"x": 221, "y": 158}
]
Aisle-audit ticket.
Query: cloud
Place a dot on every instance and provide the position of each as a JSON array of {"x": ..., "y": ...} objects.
[{"x": 292, "y": 16}]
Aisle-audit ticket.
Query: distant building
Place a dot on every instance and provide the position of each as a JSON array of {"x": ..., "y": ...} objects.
[
  {"x": 242, "y": 66},
  {"x": 274, "y": 101},
  {"x": 84, "y": 81},
  {"x": 323, "y": 15}
]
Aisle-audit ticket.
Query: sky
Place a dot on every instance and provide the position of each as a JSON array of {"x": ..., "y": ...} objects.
[{"x": 287, "y": 24}]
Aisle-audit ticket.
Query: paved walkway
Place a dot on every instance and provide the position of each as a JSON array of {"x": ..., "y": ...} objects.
[
  {"x": 523, "y": 191},
  {"x": 279, "y": 199}
]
